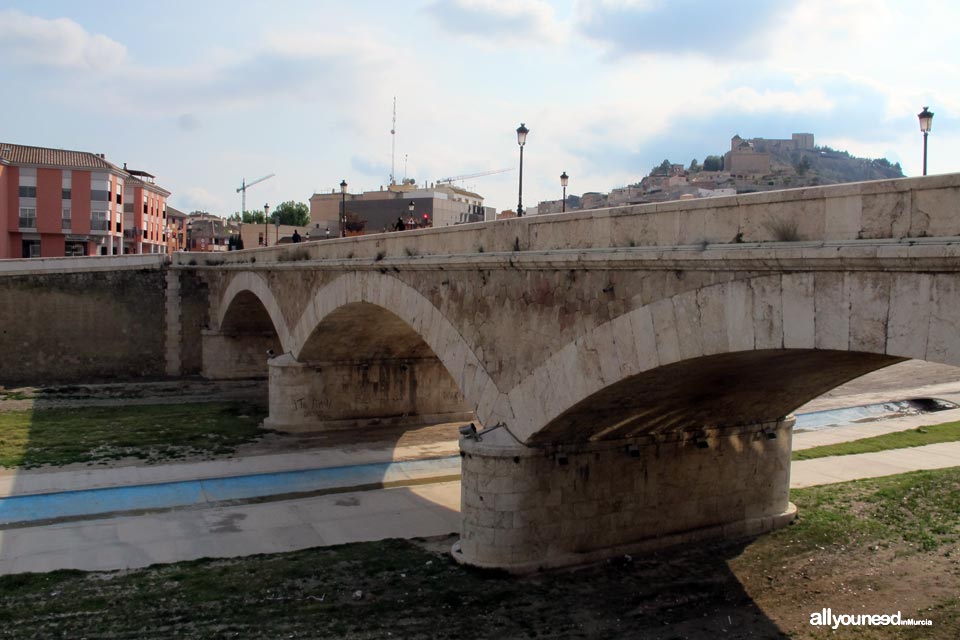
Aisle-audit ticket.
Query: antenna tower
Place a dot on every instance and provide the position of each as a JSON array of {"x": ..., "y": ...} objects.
[{"x": 393, "y": 144}]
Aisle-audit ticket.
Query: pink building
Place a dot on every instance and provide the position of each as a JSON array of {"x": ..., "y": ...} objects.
[{"x": 56, "y": 202}]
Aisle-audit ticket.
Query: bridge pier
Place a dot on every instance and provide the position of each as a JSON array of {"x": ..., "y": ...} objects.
[
  {"x": 323, "y": 396},
  {"x": 528, "y": 508}
]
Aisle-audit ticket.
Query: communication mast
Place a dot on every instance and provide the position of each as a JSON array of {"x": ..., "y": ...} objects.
[{"x": 393, "y": 144}]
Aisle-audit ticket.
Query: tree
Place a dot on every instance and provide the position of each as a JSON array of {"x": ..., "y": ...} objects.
[
  {"x": 803, "y": 166},
  {"x": 694, "y": 166},
  {"x": 713, "y": 163},
  {"x": 295, "y": 214},
  {"x": 248, "y": 217},
  {"x": 663, "y": 169}
]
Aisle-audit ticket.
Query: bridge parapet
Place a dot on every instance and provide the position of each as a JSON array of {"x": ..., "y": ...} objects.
[{"x": 887, "y": 209}]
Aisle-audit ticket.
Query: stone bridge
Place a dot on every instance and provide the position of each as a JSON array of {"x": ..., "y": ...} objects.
[{"x": 632, "y": 370}]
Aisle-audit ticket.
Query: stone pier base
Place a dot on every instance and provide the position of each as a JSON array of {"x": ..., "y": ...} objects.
[
  {"x": 324, "y": 396},
  {"x": 524, "y": 508}
]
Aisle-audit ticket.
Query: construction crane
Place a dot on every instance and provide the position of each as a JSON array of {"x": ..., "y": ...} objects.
[
  {"x": 471, "y": 175},
  {"x": 243, "y": 189}
]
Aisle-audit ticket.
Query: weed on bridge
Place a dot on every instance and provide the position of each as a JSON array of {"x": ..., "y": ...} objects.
[{"x": 876, "y": 546}]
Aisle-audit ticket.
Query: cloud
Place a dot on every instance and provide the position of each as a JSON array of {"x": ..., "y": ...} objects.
[
  {"x": 60, "y": 43},
  {"x": 681, "y": 27},
  {"x": 188, "y": 122},
  {"x": 199, "y": 199},
  {"x": 523, "y": 21}
]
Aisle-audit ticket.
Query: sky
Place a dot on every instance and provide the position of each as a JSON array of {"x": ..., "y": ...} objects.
[{"x": 205, "y": 94}]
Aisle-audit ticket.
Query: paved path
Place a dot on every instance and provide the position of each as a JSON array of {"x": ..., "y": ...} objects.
[{"x": 130, "y": 541}]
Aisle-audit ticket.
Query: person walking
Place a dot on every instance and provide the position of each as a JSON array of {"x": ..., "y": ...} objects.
[
  {"x": 399, "y": 226},
  {"x": 296, "y": 236}
]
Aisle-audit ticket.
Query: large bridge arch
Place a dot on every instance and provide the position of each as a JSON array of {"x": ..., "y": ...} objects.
[
  {"x": 744, "y": 351},
  {"x": 372, "y": 333}
]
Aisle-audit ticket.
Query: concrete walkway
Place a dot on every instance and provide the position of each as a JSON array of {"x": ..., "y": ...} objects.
[{"x": 228, "y": 530}]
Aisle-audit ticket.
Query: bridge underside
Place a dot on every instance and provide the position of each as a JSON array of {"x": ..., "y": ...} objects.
[{"x": 694, "y": 450}]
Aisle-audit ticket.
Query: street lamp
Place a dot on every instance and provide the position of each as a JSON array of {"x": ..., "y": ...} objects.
[
  {"x": 410, "y": 208},
  {"x": 522, "y": 132},
  {"x": 926, "y": 121},
  {"x": 563, "y": 182},
  {"x": 266, "y": 227},
  {"x": 343, "y": 208}
]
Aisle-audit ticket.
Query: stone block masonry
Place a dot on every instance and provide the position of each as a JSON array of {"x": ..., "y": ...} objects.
[
  {"x": 82, "y": 319},
  {"x": 530, "y": 508}
]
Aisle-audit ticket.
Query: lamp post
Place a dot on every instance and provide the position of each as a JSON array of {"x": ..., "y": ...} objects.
[
  {"x": 522, "y": 132},
  {"x": 343, "y": 208},
  {"x": 410, "y": 208},
  {"x": 563, "y": 183},
  {"x": 926, "y": 121},
  {"x": 266, "y": 224}
]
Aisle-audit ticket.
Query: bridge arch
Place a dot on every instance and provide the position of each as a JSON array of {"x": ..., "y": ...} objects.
[
  {"x": 245, "y": 301},
  {"x": 249, "y": 324},
  {"x": 744, "y": 351},
  {"x": 363, "y": 317}
]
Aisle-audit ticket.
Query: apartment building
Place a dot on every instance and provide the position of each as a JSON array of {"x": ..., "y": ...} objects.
[{"x": 58, "y": 202}]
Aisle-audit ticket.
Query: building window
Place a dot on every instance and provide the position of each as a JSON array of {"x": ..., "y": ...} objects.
[
  {"x": 65, "y": 219},
  {"x": 144, "y": 206},
  {"x": 98, "y": 221},
  {"x": 99, "y": 195},
  {"x": 66, "y": 194},
  {"x": 75, "y": 249},
  {"x": 119, "y": 197},
  {"x": 28, "y": 192},
  {"x": 28, "y": 218}
]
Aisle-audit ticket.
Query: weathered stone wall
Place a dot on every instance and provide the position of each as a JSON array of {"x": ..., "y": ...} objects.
[
  {"x": 59, "y": 324},
  {"x": 195, "y": 308},
  {"x": 525, "y": 509},
  {"x": 327, "y": 395}
]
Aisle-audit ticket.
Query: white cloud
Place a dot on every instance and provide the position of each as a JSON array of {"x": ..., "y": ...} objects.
[
  {"x": 499, "y": 21},
  {"x": 59, "y": 43}
]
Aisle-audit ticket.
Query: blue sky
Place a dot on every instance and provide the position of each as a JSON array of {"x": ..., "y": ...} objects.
[{"x": 205, "y": 93}]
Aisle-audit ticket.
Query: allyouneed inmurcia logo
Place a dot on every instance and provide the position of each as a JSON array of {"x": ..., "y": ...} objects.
[{"x": 826, "y": 618}]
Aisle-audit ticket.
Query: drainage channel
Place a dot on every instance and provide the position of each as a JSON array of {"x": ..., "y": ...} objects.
[
  {"x": 818, "y": 420},
  {"x": 72, "y": 505},
  {"x": 24, "y": 510}
]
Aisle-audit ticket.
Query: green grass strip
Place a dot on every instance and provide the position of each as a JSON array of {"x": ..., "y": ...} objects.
[
  {"x": 152, "y": 433},
  {"x": 947, "y": 432}
]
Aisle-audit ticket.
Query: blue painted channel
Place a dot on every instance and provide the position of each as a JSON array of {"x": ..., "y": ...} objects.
[{"x": 167, "y": 495}]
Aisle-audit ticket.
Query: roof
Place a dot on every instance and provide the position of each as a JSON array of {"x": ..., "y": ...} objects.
[
  {"x": 22, "y": 154},
  {"x": 175, "y": 213},
  {"x": 132, "y": 181}
]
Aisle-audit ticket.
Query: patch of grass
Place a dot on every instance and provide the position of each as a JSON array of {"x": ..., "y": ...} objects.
[
  {"x": 947, "y": 432},
  {"x": 100, "y": 434},
  {"x": 918, "y": 508}
]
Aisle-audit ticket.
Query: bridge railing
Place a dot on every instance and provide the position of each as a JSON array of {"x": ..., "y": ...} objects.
[{"x": 886, "y": 209}]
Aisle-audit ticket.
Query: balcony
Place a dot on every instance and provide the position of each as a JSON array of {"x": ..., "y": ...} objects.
[{"x": 99, "y": 226}]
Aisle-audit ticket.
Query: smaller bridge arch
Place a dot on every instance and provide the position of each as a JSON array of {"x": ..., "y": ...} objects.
[
  {"x": 370, "y": 335},
  {"x": 249, "y": 323}
]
